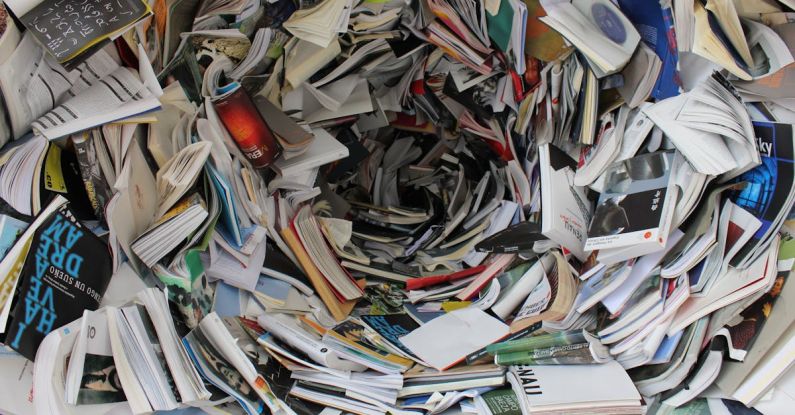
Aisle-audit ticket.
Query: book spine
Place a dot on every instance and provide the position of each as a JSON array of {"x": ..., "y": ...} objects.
[
  {"x": 244, "y": 123},
  {"x": 338, "y": 310}
]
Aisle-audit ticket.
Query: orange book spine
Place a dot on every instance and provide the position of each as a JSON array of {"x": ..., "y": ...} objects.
[{"x": 339, "y": 310}]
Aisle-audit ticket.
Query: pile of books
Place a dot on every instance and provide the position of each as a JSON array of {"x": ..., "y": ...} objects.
[{"x": 303, "y": 207}]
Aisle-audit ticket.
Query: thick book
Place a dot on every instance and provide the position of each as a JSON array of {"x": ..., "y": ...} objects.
[
  {"x": 338, "y": 309},
  {"x": 67, "y": 271}
]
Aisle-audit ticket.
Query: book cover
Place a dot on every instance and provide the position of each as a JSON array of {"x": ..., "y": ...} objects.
[
  {"x": 67, "y": 270},
  {"x": 392, "y": 327},
  {"x": 355, "y": 337},
  {"x": 244, "y": 123},
  {"x": 656, "y": 27},
  {"x": 744, "y": 334},
  {"x": 67, "y": 36},
  {"x": 637, "y": 204},
  {"x": 542, "y": 42},
  {"x": 550, "y": 387},
  {"x": 502, "y": 402},
  {"x": 97, "y": 188},
  {"x": 768, "y": 193},
  {"x": 566, "y": 208}
]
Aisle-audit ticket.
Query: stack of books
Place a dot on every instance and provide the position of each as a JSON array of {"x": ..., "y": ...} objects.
[{"x": 304, "y": 207}]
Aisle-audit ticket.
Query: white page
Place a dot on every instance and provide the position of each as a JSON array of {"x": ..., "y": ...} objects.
[{"x": 446, "y": 340}]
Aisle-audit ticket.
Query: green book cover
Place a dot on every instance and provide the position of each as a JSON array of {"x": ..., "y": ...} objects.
[
  {"x": 502, "y": 402},
  {"x": 500, "y": 25}
]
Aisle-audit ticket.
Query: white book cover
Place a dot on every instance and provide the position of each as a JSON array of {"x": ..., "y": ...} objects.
[
  {"x": 565, "y": 207},
  {"x": 552, "y": 387},
  {"x": 447, "y": 340}
]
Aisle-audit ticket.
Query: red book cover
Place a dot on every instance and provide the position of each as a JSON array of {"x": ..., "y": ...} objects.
[{"x": 244, "y": 123}]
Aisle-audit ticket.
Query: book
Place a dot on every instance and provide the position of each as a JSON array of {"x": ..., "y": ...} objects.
[
  {"x": 319, "y": 206},
  {"x": 641, "y": 212},
  {"x": 439, "y": 341},
  {"x": 55, "y": 284},
  {"x": 339, "y": 309},
  {"x": 566, "y": 208},
  {"x": 655, "y": 24},
  {"x": 392, "y": 327},
  {"x": 323, "y": 149},
  {"x": 97, "y": 186},
  {"x": 167, "y": 232},
  {"x": 244, "y": 123},
  {"x": 567, "y": 347},
  {"x": 68, "y": 48},
  {"x": 774, "y": 142},
  {"x": 603, "y": 33},
  {"x": 500, "y": 402},
  {"x": 546, "y": 388},
  {"x": 351, "y": 341}
]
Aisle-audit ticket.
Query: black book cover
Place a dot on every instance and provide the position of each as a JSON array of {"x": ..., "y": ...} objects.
[{"x": 66, "y": 271}]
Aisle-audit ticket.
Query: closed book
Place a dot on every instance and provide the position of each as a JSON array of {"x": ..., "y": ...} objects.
[
  {"x": 66, "y": 271},
  {"x": 566, "y": 210},
  {"x": 600, "y": 388},
  {"x": 244, "y": 123}
]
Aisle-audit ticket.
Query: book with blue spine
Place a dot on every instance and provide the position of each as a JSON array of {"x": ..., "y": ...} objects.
[{"x": 655, "y": 24}]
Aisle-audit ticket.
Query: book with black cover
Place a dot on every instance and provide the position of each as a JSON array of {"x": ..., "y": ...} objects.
[{"x": 67, "y": 270}]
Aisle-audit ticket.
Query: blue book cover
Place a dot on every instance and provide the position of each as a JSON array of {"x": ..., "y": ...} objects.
[
  {"x": 769, "y": 185},
  {"x": 10, "y": 229},
  {"x": 228, "y": 207},
  {"x": 656, "y": 27}
]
